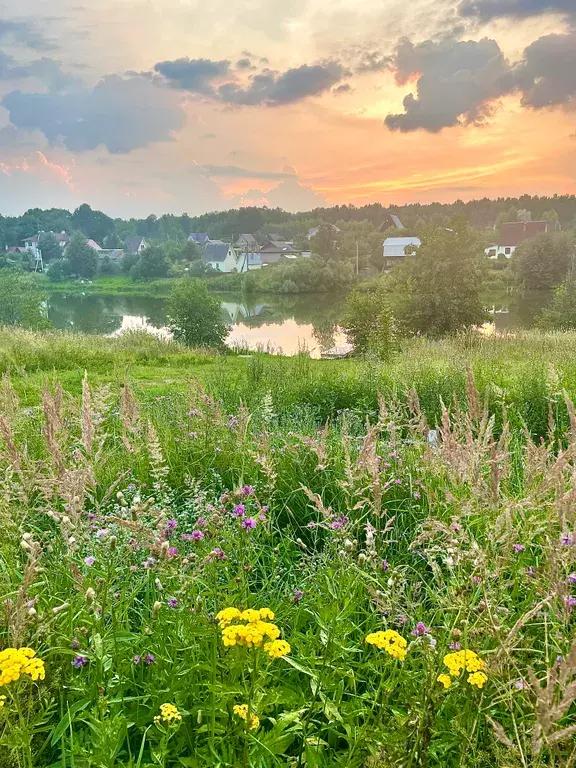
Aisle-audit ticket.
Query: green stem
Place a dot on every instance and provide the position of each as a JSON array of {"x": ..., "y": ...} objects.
[{"x": 25, "y": 732}]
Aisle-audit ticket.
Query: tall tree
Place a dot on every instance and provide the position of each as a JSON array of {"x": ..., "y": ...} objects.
[
  {"x": 82, "y": 259},
  {"x": 151, "y": 264},
  {"x": 437, "y": 290},
  {"x": 21, "y": 300},
  {"x": 49, "y": 247},
  {"x": 543, "y": 261},
  {"x": 195, "y": 315},
  {"x": 93, "y": 224}
]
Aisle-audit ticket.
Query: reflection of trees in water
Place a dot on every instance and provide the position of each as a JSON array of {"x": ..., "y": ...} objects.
[{"x": 103, "y": 314}]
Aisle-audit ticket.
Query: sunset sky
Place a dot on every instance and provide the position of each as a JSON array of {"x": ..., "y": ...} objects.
[{"x": 197, "y": 105}]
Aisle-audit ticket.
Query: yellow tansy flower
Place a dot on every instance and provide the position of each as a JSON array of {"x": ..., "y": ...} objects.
[
  {"x": 15, "y": 662},
  {"x": 468, "y": 661},
  {"x": 227, "y": 616},
  {"x": 478, "y": 679},
  {"x": 277, "y": 648},
  {"x": 169, "y": 714},
  {"x": 446, "y": 680},
  {"x": 390, "y": 641},
  {"x": 242, "y": 711}
]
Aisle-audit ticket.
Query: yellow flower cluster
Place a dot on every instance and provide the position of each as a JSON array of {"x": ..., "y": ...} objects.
[
  {"x": 242, "y": 711},
  {"x": 389, "y": 641},
  {"x": 169, "y": 714},
  {"x": 15, "y": 662},
  {"x": 464, "y": 660},
  {"x": 253, "y": 632}
]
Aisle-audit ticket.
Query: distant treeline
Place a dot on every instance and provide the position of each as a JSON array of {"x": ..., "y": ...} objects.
[{"x": 111, "y": 233}]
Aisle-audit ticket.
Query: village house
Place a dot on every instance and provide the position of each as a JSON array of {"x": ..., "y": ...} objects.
[
  {"x": 31, "y": 243},
  {"x": 200, "y": 238},
  {"x": 512, "y": 233},
  {"x": 247, "y": 242},
  {"x": 311, "y": 234},
  {"x": 275, "y": 251},
  {"x": 220, "y": 256},
  {"x": 135, "y": 244},
  {"x": 394, "y": 249}
]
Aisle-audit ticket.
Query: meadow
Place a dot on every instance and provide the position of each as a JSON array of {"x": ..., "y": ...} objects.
[{"x": 257, "y": 561}]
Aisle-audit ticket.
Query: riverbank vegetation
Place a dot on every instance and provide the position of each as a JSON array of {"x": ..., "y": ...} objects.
[{"x": 264, "y": 564}]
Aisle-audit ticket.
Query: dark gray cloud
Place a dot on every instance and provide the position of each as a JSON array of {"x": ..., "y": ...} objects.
[
  {"x": 372, "y": 61},
  {"x": 25, "y": 33},
  {"x": 486, "y": 10},
  {"x": 344, "y": 88},
  {"x": 194, "y": 75},
  {"x": 274, "y": 89},
  {"x": 456, "y": 85},
  {"x": 244, "y": 64},
  {"x": 547, "y": 74},
  {"x": 45, "y": 69},
  {"x": 120, "y": 114},
  {"x": 233, "y": 171}
]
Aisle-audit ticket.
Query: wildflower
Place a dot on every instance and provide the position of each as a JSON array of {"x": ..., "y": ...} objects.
[
  {"x": 75, "y": 644},
  {"x": 89, "y": 560},
  {"x": 420, "y": 629},
  {"x": 572, "y": 578},
  {"x": 298, "y": 595},
  {"x": 149, "y": 659},
  {"x": 172, "y": 603},
  {"x": 570, "y": 602},
  {"x": 518, "y": 547},
  {"x": 227, "y": 616},
  {"x": 15, "y": 662},
  {"x": 249, "y": 523},
  {"x": 90, "y": 595},
  {"x": 455, "y": 646},
  {"x": 445, "y": 679},
  {"x": 397, "y": 481},
  {"x": 416, "y": 495},
  {"x": 102, "y": 532},
  {"x": 242, "y": 711},
  {"x": 149, "y": 562},
  {"x": 239, "y": 510},
  {"x": 567, "y": 539},
  {"x": 389, "y": 641},
  {"x": 218, "y": 554},
  {"x": 80, "y": 661},
  {"x": 385, "y": 565},
  {"x": 171, "y": 525},
  {"x": 277, "y": 648},
  {"x": 247, "y": 490},
  {"x": 478, "y": 679},
  {"x": 520, "y": 685},
  {"x": 476, "y": 579},
  {"x": 137, "y": 659},
  {"x": 531, "y": 571},
  {"x": 202, "y": 522},
  {"x": 169, "y": 715},
  {"x": 172, "y": 551},
  {"x": 336, "y": 525}
]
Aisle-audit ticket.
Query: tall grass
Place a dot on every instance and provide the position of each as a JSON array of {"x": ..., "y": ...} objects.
[{"x": 125, "y": 531}]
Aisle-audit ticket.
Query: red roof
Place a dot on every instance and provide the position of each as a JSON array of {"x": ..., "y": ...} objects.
[{"x": 515, "y": 232}]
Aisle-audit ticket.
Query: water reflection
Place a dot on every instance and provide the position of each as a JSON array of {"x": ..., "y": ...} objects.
[{"x": 275, "y": 323}]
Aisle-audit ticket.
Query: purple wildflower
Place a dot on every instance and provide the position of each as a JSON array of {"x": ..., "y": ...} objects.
[
  {"x": 91, "y": 517},
  {"x": 197, "y": 535},
  {"x": 531, "y": 571},
  {"x": 172, "y": 603},
  {"x": 298, "y": 595},
  {"x": 520, "y": 685},
  {"x": 398, "y": 481},
  {"x": 455, "y": 646},
  {"x": 572, "y": 578},
  {"x": 202, "y": 522},
  {"x": 239, "y": 510},
  {"x": 133, "y": 567},
  {"x": 249, "y": 523},
  {"x": 264, "y": 508},
  {"x": 385, "y": 565},
  {"x": 149, "y": 562},
  {"x": 89, "y": 560},
  {"x": 476, "y": 579},
  {"x": 149, "y": 658},
  {"x": 218, "y": 554},
  {"x": 420, "y": 629},
  {"x": 262, "y": 518},
  {"x": 416, "y": 495},
  {"x": 247, "y": 490},
  {"x": 570, "y": 602},
  {"x": 171, "y": 525},
  {"x": 134, "y": 544},
  {"x": 79, "y": 662},
  {"x": 75, "y": 644},
  {"x": 518, "y": 547},
  {"x": 100, "y": 533},
  {"x": 559, "y": 659},
  {"x": 172, "y": 551},
  {"x": 137, "y": 659},
  {"x": 567, "y": 539},
  {"x": 336, "y": 525},
  {"x": 311, "y": 524}
]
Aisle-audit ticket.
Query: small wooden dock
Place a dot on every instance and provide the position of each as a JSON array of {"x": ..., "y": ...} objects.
[{"x": 337, "y": 353}]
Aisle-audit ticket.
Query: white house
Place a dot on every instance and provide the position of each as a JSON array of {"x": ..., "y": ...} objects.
[
  {"x": 394, "y": 249},
  {"x": 512, "y": 233},
  {"x": 200, "y": 238},
  {"x": 135, "y": 244},
  {"x": 220, "y": 256},
  {"x": 31, "y": 243}
]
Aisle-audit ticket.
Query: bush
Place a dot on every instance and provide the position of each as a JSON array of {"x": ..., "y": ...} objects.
[
  {"x": 21, "y": 300},
  {"x": 196, "y": 316},
  {"x": 368, "y": 323},
  {"x": 560, "y": 315},
  {"x": 152, "y": 263}
]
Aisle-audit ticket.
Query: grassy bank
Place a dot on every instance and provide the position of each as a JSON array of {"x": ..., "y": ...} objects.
[
  {"x": 419, "y": 591},
  {"x": 111, "y": 285},
  {"x": 522, "y": 372}
]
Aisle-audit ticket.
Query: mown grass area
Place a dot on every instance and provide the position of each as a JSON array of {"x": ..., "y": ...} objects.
[
  {"x": 110, "y": 285},
  {"x": 418, "y": 588}
]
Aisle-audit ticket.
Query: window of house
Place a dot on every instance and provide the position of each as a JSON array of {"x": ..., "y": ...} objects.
[{"x": 507, "y": 251}]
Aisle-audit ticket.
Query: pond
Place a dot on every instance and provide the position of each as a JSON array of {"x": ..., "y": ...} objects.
[{"x": 281, "y": 324}]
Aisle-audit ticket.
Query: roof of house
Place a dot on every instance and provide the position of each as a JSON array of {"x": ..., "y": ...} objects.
[
  {"x": 112, "y": 253},
  {"x": 16, "y": 249},
  {"x": 314, "y": 231},
  {"x": 61, "y": 237},
  {"x": 248, "y": 239},
  {"x": 278, "y": 246},
  {"x": 198, "y": 237},
  {"x": 133, "y": 243},
  {"x": 93, "y": 244},
  {"x": 215, "y": 250},
  {"x": 395, "y": 246},
  {"x": 396, "y": 221},
  {"x": 513, "y": 233}
]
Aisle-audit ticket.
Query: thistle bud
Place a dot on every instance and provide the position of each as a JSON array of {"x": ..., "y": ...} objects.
[
  {"x": 158, "y": 585},
  {"x": 60, "y": 608},
  {"x": 90, "y": 595},
  {"x": 156, "y": 609},
  {"x": 113, "y": 542},
  {"x": 362, "y": 558}
]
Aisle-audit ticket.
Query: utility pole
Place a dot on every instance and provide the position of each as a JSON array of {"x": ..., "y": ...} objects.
[{"x": 357, "y": 269}]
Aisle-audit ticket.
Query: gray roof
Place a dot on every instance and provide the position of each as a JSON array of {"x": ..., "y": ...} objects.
[
  {"x": 278, "y": 246},
  {"x": 133, "y": 243},
  {"x": 396, "y": 221},
  {"x": 215, "y": 250},
  {"x": 249, "y": 239},
  {"x": 198, "y": 237}
]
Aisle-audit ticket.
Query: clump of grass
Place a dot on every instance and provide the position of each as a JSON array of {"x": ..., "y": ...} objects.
[{"x": 415, "y": 577}]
